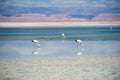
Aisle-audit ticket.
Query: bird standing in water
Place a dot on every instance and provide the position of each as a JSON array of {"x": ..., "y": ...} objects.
[
  {"x": 79, "y": 42},
  {"x": 36, "y": 43},
  {"x": 63, "y": 36}
]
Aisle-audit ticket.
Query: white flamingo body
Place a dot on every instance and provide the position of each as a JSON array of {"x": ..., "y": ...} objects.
[
  {"x": 79, "y": 42},
  {"x": 63, "y": 35},
  {"x": 36, "y": 42}
]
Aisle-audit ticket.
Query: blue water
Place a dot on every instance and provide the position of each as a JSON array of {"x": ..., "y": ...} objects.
[
  {"x": 83, "y": 33},
  {"x": 100, "y": 41}
]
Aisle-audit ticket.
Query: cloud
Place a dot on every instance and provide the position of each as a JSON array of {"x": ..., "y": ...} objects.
[
  {"x": 61, "y": 3},
  {"x": 24, "y": 3}
]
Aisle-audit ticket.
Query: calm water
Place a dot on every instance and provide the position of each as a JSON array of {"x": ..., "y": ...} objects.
[
  {"x": 16, "y": 42},
  {"x": 87, "y": 33}
]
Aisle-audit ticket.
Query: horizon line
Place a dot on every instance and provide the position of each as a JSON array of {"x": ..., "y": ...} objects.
[{"x": 57, "y": 24}]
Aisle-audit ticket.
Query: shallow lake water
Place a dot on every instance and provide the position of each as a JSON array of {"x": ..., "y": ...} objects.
[
  {"x": 58, "y": 48},
  {"x": 60, "y": 58}
]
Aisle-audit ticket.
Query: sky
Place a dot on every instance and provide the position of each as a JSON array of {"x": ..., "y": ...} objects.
[{"x": 59, "y": 10}]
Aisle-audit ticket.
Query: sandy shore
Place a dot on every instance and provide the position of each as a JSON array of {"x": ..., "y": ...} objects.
[
  {"x": 67, "y": 68},
  {"x": 58, "y": 24}
]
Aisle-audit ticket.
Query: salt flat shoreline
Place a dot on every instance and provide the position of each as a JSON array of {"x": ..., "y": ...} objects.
[
  {"x": 67, "y": 68},
  {"x": 57, "y": 24}
]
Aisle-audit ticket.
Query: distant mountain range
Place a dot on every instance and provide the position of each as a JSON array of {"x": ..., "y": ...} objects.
[{"x": 15, "y": 13}]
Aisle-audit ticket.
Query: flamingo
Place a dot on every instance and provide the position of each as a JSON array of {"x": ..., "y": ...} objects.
[
  {"x": 79, "y": 42},
  {"x": 36, "y": 42},
  {"x": 62, "y": 35}
]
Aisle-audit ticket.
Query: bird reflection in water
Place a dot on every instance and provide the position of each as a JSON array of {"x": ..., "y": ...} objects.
[
  {"x": 35, "y": 50},
  {"x": 79, "y": 51}
]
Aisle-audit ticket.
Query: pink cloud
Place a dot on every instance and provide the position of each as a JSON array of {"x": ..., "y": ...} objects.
[
  {"x": 40, "y": 17},
  {"x": 107, "y": 17}
]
